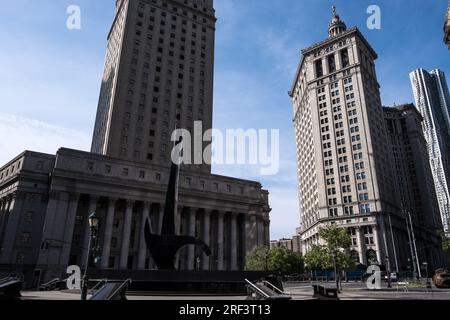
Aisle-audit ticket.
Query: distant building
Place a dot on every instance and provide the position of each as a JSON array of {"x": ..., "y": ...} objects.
[
  {"x": 433, "y": 102},
  {"x": 414, "y": 182},
  {"x": 286, "y": 243},
  {"x": 447, "y": 28},
  {"x": 345, "y": 164}
]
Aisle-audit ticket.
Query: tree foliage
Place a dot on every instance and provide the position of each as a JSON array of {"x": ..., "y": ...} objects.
[
  {"x": 336, "y": 248},
  {"x": 278, "y": 259},
  {"x": 445, "y": 240}
]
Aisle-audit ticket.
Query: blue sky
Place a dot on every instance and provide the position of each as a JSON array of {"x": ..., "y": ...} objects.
[{"x": 50, "y": 76}]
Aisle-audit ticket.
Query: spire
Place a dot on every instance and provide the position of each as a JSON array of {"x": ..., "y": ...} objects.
[{"x": 337, "y": 26}]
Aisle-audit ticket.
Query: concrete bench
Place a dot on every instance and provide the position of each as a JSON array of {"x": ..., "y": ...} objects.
[{"x": 324, "y": 292}]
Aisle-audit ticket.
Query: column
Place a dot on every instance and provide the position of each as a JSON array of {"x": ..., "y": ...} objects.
[
  {"x": 160, "y": 218},
  {"x": 250, "y": 232},
  {"x": 109, "y": 223},
  {"x": 191, "y": 258},
  {"x": 3, "y": 204},
  {"x": 87, "y": 232},
  {"x": 69, "y": 227},
  {"x": 48, "y": 226},
  {"x": 11, "y": 228},
  {"x": 360, "y": 244},
  {"x": 220, "y": 252},
  {"x": 142, "y": 245},
  {"x": 126, "y": 235},
  {"x": 377, "y": 244},
  {"x": 206, "y": 236},
  {"x": 3, "y": 217},
  {"x": 178, "y": 221},
  {"x": 234, "y": 242}
]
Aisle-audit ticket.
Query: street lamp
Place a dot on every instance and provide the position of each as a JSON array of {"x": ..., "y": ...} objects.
[
  {"x": 93, "y": 228},
  {"x": 198, "y": 263}
]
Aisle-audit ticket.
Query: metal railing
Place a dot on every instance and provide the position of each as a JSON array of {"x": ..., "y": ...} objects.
[
  {"x": 256, "y": 289},
  {"x": 274, "y": 288}
]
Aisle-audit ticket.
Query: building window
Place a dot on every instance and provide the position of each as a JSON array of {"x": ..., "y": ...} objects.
[
  {"x": 116, "y": 223},
  {"x": 344, "y": 58},
  {"x": 108, "y": 169},
  {"x": 28, "y": 217},
  {"x": 25, "y": 237},
  {"x": 125, "y": 172},
  {"x": 158, "y": 177},
  {"x": 39, "y": 165},
  {"x": 142, "y": 174},
  {"x": 319, "y": 68},
  {"x": 20, "y": 258},
  {"x": 331, "y": 63}
]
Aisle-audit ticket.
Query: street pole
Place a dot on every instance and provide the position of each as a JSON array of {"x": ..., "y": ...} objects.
[
  {"x": 410, "y": 246},
  {"x": 393, "y": 243},
  {"x": 415, "y": 247},
  {"x": 84, "y": 280},
  {"x": 388, "y": 271}
]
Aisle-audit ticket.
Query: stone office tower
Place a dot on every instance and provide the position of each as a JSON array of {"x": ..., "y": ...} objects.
[
  {"x": 344, "y": 169},
  {"x": 158, "y": 76}
]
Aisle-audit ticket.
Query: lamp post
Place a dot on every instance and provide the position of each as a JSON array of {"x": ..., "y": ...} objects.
[
  {"x": 388, "y": 271},
  {"x": 93, "y": 228},
  {"x": 198, "y": 263},
  {"x": 425, "y": 264}
]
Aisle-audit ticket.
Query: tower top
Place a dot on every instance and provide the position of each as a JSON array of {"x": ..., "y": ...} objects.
[{"x": 337, "y": 26}]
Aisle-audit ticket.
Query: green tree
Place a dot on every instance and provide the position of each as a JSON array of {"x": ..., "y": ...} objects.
[
  {"x": 278, "y": 259},
  {"x": 445, "y": 240},
  {"x": 285, "y": 261},
  {"x": 318, "y": 258},
  {"x": 258, "y": 259},
  {"x": 335, "y": 254}
]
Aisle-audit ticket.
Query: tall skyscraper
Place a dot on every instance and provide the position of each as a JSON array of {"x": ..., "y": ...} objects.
[
  {"x": 344, "y": 169},
  {"x": 347, "y": 167},
  {"x": 415, "y": 183},
  {"x": 433, "y": 101},
  {"x": 447, "y": 28},
  {"x": 158, "y": 76}
]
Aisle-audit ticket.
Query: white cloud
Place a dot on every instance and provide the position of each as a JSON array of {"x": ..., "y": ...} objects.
[{"x": 20, "y": 134}]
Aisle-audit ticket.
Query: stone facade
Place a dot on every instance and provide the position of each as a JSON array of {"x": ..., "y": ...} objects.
[
  {"x": 46, "y": 201},
  {"x": 345, "y": 168},
  {"x": 415, "y": 186},
  {"x": 158, "y": 76}
]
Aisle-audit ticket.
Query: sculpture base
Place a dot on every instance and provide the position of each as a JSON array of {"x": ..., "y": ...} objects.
[{"x": 181, "y": 282}]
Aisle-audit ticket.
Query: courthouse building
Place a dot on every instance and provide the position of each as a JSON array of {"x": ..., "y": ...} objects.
[{"x": 158, "y": 76}]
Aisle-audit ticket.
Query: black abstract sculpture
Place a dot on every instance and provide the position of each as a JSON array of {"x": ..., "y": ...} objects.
[{"x": 165, "y": 246}]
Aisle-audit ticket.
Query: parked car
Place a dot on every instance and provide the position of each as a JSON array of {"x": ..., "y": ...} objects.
[
  {"x": 442, "y": 279},
  {"x": 394, "y": 277}
]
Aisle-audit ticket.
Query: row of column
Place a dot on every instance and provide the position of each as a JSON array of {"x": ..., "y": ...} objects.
[
  {"x": 63, "y": 208},
  {"x": 261, "y": 229}
]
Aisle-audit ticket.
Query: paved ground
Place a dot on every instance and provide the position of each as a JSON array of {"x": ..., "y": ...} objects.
[
  {"x": 298, "y": 291},
  {"x": 358, "y": 291}
]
